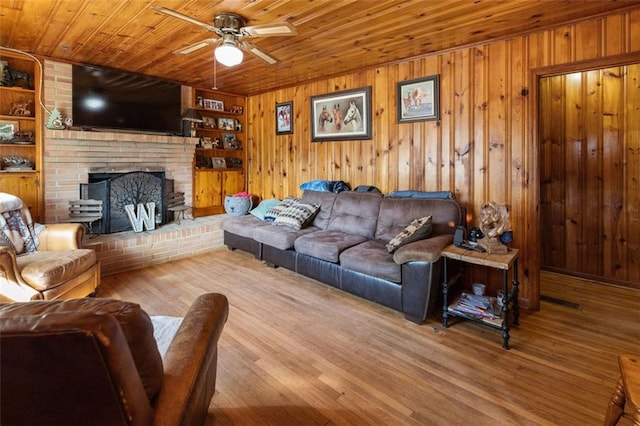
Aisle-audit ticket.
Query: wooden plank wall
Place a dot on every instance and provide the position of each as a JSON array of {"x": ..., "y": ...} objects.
[
  {"x": 590, "y": 173},
  {"x": 484, "y": 147}
]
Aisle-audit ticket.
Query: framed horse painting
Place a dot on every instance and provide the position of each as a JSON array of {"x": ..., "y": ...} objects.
[
  {"x": 341, "y": 116},
  {"x": 419, "y": 99}
]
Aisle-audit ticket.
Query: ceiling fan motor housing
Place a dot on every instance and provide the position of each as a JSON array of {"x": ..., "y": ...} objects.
[{"x": 229, "y": 22}]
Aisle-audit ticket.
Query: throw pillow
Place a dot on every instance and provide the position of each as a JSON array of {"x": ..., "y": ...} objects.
[
  {"x": 298, "y": 215},
  {"x": 275, "y": 211},
  {"x": 262, "y": 209},
  {"x": 418, "y": 229}
]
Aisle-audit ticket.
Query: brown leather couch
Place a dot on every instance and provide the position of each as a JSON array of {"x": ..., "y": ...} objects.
[
  {"x": 95, "y": 362},
  {"x": 60, "y": 269},
  {"x": 345, "y": 245}
]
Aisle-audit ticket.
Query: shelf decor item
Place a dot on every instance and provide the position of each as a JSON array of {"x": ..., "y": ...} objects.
[
  {"x": 218, "y": 163},
  {"x": 341, "y": 116},
  {"x": 8, "y": 128},
  {"x": 494, "y": 220},
  {"x": 191, "y": 119},
  {"x": 418, "y": 100}
]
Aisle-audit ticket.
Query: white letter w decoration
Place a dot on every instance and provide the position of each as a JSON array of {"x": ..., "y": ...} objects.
[{"x": 148, "y": 217}]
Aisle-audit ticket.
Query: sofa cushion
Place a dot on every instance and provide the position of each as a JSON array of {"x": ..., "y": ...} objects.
[
  {"x": 356, "y": 213},
  {"x": 326, "y": 201},
  {"x": 418, "y": 229},
  {"x": 372, "y": 258},
  {"x": 243, "y": 226},
  {"x": 275, "y": 211},
  {"x": 265, "y": 205},
  {"x": 326, "y": 245},
  {"x": 298, "y": 215},
  {"x": 135, "y": 323},
  {"x": 45, "y": 270},
  {"x": 397, "y": 213},
  {"x": 280, "y": 236}
]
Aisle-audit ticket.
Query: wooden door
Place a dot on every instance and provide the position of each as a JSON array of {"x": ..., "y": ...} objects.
[{"x": 590, "y": 174}]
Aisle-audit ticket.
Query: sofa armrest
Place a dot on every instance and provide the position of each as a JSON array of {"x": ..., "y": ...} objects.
[
  {"x": 190, "y": 364},
  {"x": 12, "y": 286},
  {"x": 427, "y": 250},
  {"x": 61, "y": 236}
]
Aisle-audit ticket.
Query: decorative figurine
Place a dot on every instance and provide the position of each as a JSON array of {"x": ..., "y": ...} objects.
[
  {"x": 21, "y": 108},
  {"x": 55, "y": 120},
  {"x": 494, "y": 221}
]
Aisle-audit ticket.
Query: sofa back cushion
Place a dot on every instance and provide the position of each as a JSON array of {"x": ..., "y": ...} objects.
[
  {"x": 326, "y": 201},
  {"x": 135, "y": 323},
  {"x": 397, "y": 213},
  {"x": 355, "y": 213}
]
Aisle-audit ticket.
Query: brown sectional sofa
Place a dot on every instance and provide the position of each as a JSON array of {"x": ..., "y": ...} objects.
[{"x": 344, "y": 246}]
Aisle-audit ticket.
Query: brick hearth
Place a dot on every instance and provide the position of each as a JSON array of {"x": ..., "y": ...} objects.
[{"x": 124, "y": 251}]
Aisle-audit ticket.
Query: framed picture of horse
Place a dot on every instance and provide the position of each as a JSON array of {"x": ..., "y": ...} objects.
[
  {"x": 341, "y": 116},
  {"x": 419, "y": 99},
  {"x": 284, "y": 123}
]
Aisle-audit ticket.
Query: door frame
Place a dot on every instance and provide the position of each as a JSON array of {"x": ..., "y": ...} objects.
[{"x": 534, "y": 231}]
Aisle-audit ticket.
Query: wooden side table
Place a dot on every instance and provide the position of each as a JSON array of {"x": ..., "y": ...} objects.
[
  {"x": 505, "y": 262},
  {"x": 627, "y": 392}
]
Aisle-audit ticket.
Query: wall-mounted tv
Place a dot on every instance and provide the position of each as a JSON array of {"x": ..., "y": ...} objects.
[{"x": 109, "y": 99}]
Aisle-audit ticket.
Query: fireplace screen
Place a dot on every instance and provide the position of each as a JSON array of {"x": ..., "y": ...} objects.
[{"x": 116, "y": 190}]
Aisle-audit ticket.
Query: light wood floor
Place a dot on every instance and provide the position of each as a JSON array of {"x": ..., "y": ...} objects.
[{"x": 297, "y": 352}]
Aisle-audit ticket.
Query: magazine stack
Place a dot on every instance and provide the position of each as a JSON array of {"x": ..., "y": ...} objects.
[{"x": 483, "y": 308}]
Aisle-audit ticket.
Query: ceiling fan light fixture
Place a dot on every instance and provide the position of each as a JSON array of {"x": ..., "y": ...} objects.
[{"x": 228, "y": 54}]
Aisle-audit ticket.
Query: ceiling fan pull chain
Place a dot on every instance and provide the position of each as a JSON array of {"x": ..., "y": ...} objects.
[{"x": 215, "y": 77}]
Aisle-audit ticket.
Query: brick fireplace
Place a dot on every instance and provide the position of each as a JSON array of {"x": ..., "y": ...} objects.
[{"x": 69, "y": 157}]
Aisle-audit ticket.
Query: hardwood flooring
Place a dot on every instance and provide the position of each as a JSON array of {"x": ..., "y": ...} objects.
[{"x": 297, "y": 352}]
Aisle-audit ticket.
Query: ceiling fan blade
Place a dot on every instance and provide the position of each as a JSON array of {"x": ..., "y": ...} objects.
[
  {"x": 196, "y": 46},
  {"x": 254, "y": 50},
  {"x": 270, "y": 30},
  {"x": 178, "y": 15}
]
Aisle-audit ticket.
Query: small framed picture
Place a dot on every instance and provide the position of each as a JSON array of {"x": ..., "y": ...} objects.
[
  {"x": 226, "y": 124},
  {"x": 284, "y": 123},
  {"x": 218, "y": 163},
  {"x": 229, "y": 141},
  {"x": 208, "y": 103},
  {"x": 237, "y": 109},
  {"x": 209, "y": 122},
  {"x": 218, "y": 105},
  {"x": 418, "y": 100},
  {"x": 207, "y": 143}
]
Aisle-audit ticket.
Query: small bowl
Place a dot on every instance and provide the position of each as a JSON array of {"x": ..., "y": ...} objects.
[{"x": 478, "y": 289}]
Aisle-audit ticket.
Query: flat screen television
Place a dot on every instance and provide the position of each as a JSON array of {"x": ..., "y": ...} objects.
[{"x": 108, "y": 99}]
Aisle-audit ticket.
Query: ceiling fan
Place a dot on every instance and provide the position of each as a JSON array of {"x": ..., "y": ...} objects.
[{"x": 231, "y": 30}]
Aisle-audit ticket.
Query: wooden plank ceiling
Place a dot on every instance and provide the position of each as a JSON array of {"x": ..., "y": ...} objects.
[{"x": 334, "y": 36}]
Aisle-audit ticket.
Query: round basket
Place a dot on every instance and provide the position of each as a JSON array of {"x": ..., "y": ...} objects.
[{"x": 237, "y": 206}]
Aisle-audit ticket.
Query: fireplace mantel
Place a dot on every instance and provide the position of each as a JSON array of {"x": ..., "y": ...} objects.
[{"x": 115, "y": 169}]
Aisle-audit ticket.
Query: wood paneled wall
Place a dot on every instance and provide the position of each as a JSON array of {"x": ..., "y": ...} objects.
[
  {"x": 590, "y": 173},
  {"x": 484, "y": 148}
]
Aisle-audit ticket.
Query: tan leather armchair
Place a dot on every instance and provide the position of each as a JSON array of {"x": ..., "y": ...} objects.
[
  {"x": 60, "y": 269},
  {"x": 95, "y": 362}
]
